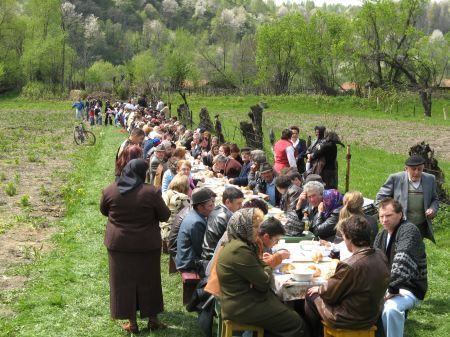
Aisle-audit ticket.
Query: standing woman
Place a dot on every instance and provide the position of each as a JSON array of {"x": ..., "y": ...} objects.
[{"x": 133, "y": 241}]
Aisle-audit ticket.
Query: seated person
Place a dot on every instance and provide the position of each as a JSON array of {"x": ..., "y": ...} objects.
[
  {"x": 269, "y": 234},
  {"x": 176, "y": 199},
  {"x": 289, "y": 197},
  {"x": 192, "y": 231},
  {"x": 257, "y": 158},
  {"x": 245, "y": 281},
  {"x": 232, "y": 199},
  {"x": 242, "y": 180},
  {"x": 353, "y": 297},
  {"x": 226, "y": 167},
  {"x": 267, "y": 184},
  {"x": 323, "y": 209}
]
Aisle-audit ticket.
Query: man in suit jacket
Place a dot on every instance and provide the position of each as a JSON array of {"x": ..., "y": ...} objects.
[{"x": 416, "y": 192}]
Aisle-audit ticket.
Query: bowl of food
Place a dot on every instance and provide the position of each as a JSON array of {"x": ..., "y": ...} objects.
[{"x": 302, "y": 275}]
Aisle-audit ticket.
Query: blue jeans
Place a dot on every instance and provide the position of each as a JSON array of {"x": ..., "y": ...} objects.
[{"x": 394, "y": 312}]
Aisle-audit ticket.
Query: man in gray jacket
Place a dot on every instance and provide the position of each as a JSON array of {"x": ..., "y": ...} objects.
[{"x": 416, "y": 192}]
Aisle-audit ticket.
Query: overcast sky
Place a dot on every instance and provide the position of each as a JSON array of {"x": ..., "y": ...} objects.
[{"x": 321, "y": 2}]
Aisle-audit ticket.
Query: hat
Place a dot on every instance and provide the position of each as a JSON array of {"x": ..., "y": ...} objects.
[
  {"x": 313, "y": 177},
  {"x": 246, "y": 149},
  {"x": 414, "y": 160},
  {"x": 160, "y": 148},
  {"x": 201, "y": 195},
  {"x": 265, "y": 167}
]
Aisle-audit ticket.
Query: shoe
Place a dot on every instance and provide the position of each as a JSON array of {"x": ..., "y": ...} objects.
[
  {"x": 156, "y": 324},
  {"x": 130, "y": 327}
]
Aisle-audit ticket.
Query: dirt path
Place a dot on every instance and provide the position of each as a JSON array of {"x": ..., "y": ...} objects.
[{"x": 388, "y": 135}]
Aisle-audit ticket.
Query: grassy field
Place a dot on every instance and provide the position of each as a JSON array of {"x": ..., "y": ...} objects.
[{"x": 66, "y": 287}]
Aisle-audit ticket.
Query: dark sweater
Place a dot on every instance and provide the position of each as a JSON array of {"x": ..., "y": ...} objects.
[{"x": 407, "y": 259}]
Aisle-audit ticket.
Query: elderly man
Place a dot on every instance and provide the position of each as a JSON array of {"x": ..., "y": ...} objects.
[
  {"x": 416, "y": 192},
  {"x": 232, "y": 199},
  {"x": 158, "y": 157},
  {"x": 267, "y": 184},
  {"x": 192, "y": 231},
  {"x": 226, "y": 167},
  {"x": 403, "y": 245},
  {"x": 323, "y": 218}
]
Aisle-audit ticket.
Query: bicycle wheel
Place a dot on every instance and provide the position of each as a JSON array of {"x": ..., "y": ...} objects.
[
  {"x": 77, "y": 137},
  {"x": 89, "y": 138}
]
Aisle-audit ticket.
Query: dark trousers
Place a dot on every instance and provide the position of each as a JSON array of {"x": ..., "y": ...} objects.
[{"x": 313, "y": 316}]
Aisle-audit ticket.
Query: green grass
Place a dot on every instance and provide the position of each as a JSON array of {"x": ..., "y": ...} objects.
[{"x": 68, "y": 294}]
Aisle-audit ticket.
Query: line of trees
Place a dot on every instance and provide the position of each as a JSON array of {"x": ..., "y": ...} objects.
[{"x": 134, "y": 46}]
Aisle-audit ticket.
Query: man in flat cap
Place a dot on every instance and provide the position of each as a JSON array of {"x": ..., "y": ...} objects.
[
  {"x": 192, "y": 231},
  {"x": 416, "y": 192}
]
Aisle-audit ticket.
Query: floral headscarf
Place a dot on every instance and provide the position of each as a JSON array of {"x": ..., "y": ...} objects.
[
  {"x": 240, "y": 225},
  {"x": 332, "y": 199}
]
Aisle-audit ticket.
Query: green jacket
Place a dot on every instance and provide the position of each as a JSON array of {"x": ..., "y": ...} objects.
[{"x": 245, "y": 283}]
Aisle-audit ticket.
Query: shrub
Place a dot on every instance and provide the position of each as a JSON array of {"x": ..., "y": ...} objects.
[{"x": 10, "y": 189}]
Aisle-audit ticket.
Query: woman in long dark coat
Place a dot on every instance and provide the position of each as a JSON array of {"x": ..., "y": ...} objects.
[{"x": 133, "y": 240}]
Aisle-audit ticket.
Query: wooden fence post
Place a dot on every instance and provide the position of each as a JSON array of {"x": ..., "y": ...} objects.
[
  {"x": 347, "y": 171},
  {"x": 444, "y": 110}
]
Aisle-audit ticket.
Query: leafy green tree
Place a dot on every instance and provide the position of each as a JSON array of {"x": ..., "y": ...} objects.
[
  {"x": 142, "y": 68},
  {"x": 278, "y": 51},
  {"x": 179, "y": 59},
  {"x": 324, "y": 50},
  {"x": 100, "y": 75}
]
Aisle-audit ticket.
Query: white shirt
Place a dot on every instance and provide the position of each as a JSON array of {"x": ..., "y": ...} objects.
[{"x": 290, "y": 155}]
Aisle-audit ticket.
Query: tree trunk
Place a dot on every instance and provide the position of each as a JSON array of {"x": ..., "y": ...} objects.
[{"x": 425, "y": 95}]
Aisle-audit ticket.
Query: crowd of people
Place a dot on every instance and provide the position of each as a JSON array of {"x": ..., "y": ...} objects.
[{"x": 155, "y": 204}]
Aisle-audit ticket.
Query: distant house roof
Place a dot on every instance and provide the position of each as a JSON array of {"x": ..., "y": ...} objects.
[
  {"x": 445, "y": 83},
  {"x": 346, "y": 86}
]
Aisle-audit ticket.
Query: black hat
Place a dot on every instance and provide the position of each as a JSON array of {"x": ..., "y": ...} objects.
[
  {"x": 265, "y": 167},
  {"x": 415, "y": 160},
  {"x": 201, "y": 195}
]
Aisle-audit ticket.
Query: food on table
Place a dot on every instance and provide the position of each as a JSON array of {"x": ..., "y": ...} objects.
[
  {"x": 316, "y": 256},
  {"x": 287, "y": 268},
  {"x": 317, "y": 270}
]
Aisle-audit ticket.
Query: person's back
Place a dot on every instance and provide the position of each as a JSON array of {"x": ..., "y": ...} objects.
[
  {"x": 358, "y": 306},
  {"x": 175, "y": 228}
]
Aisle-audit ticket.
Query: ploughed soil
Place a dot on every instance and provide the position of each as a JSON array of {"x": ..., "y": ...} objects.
[{"x": 388, "y": 135}]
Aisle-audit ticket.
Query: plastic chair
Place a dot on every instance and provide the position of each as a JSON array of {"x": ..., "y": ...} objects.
[
  {"x": 329, "y": 331},
  {"x": 228, "y": 327}
]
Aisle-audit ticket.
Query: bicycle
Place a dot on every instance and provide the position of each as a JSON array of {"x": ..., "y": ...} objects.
[{"x": 81, "y": 136}]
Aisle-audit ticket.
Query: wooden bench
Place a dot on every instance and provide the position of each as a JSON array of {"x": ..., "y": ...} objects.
[
  {"x": 190, "y": 281},
  {"x": 329, "y": 331},
  {"x": 228, "y": 327}
]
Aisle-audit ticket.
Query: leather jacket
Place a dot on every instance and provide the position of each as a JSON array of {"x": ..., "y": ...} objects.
[{"x": 217, "y": 225}]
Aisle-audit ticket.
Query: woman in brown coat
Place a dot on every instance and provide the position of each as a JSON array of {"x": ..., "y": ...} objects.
[
  {"x": 133, "y": 240},
  {"x": 353, "y": 297}
]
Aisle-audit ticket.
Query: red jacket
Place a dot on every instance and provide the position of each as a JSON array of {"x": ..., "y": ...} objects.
[{"x": 281, "y": 159}]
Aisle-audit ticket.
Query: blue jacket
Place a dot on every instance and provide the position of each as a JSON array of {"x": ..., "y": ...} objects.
[
  {"x": 79, "y": 105},
  {"x": 242, "y": 180},
  {"x": 189, "y": 241}
]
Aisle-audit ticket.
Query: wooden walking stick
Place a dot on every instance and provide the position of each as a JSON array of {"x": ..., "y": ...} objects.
[{"x": 347, "y": 172}]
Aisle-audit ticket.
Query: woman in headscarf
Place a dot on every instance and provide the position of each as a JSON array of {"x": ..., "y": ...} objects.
[
  {"x": 245, "y": 281},
  {"x": 133, "y": 241}
]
